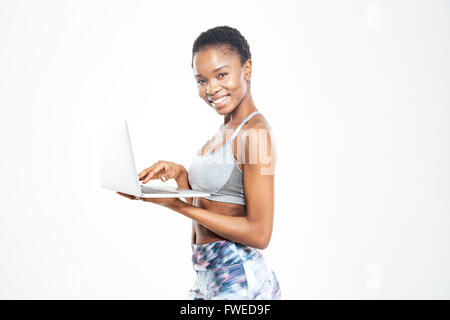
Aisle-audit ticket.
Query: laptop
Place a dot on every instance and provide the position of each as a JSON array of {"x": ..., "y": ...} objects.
[{"x": 118, "y": 170}]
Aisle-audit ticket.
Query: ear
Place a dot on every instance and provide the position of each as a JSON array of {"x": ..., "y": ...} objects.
[{"x": 248, "y": 69}]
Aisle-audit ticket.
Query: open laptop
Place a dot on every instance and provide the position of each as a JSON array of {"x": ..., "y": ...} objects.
[{"x": 117, "y": 166}]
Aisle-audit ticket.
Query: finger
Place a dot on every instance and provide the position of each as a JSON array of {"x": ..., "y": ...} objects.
[
  {"x": 154, "y": 173},
  {"x": 163, "y": 174},
  {"x": 144, "y": 172},
  {"x": 126, "y": 195},
  {"x": 171, "y": 172},
  {"x": 123, "y": 194}
]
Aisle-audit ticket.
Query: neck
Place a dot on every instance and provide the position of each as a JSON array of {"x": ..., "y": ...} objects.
[{"x": 242, "y": 110}]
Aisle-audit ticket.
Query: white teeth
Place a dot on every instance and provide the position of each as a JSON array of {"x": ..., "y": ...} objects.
[{"x": 220, "y": 100}]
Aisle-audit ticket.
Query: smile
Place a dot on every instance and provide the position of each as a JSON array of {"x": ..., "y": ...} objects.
[{"x": 221, "y": 101}]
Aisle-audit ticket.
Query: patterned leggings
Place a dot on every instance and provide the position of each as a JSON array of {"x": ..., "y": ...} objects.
[{"x": 231, "y": 271}]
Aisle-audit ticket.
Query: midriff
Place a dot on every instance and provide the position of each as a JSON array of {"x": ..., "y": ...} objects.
[{"x": 203, "y": 234}]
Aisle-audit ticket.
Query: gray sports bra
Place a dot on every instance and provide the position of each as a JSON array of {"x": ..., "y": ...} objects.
[{"x": 218, "y": 173}]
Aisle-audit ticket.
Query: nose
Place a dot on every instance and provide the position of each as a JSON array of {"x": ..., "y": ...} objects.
[{"x": 211, "y": 88}]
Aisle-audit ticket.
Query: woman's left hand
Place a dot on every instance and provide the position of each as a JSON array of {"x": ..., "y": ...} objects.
[{"x": 166, "y": 202}]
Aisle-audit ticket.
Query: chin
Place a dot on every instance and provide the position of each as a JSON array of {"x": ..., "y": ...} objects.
[
  {"x": 221, "y": 111},
  {"x": 225, "y": 110}
]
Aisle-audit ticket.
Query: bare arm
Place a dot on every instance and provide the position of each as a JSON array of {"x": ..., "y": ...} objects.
[
  {"x": 183, "y": 182},
  {"x": 165, "y": 170},
  {"x": 255, "y": 229}
]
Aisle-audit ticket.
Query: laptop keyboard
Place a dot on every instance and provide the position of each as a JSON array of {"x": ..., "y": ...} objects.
[{"x": 150, "y": 190}]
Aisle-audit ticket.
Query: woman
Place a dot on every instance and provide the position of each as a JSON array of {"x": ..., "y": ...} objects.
[{"x": 237, "y": 167}]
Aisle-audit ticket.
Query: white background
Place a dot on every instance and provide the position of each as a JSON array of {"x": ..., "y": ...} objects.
[{"x": 357, "y": 93}]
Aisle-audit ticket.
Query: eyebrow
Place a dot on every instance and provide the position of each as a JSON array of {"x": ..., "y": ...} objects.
[{"x": 216, "y": 69}]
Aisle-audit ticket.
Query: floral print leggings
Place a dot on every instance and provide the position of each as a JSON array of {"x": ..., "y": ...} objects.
[{"x": 231, "y": 271}]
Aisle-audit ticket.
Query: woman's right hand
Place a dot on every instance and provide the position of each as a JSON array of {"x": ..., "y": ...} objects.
[{"x": 163, "y": 170}]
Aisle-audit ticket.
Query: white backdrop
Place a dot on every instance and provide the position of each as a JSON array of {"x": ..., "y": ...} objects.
[{"x": 357, "y": 93}]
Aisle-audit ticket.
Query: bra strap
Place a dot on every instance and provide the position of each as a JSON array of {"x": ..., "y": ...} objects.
[{"x": 242, "y": 123}]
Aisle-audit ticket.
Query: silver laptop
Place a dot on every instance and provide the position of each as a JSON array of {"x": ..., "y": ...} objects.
[{"x": 118, "y": 170}]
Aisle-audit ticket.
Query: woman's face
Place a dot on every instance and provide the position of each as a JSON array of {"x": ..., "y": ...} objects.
[{"x": 221, "y": 80}]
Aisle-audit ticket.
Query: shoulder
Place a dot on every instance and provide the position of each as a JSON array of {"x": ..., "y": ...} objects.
[
  {"x": 257, "y": 128},
  {"x": 257, "y": 140}
]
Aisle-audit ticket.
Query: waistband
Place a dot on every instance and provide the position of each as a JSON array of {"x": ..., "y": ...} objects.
[{"x": 221, "y": 254}]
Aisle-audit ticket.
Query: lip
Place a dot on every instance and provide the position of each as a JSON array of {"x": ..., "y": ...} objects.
[{"x": 223, "y": 103}]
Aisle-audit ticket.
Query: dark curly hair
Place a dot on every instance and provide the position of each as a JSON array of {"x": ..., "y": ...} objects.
[{"x": 220, "y": 36}]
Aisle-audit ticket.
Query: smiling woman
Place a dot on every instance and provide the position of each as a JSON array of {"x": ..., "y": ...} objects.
[
  {"x": 221, "y": 59},
  {"x": 226, "y": 259},
  {"x": 237, "y": 168}
]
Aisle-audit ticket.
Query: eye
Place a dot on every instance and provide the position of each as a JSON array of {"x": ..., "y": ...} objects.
[
  {"x": 223, "y": 73},
  {"x": 200, "y": 81}
]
